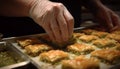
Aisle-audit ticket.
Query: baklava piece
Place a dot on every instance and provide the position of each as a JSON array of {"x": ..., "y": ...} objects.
[
  {"x": 100, "y": 34},
  {"x": 79, "y": 49},
  {"x": 64, "y": 44},
  {"x": 76, "y": 35},
  {"x": 104, "y": 43},
  {"x": 23, "y": 42},
  {"x": 114, "y": 36},
  {"x": 108, "y": 56},
  {"x": 36, "y": 49},
  {"x": 53, "y": 56},
  {"x": 88, "y": 31},
  {"x": 88, "y": 38},
  {"x": 81, "y": 63},
  {"x": 46, "y": 39}
]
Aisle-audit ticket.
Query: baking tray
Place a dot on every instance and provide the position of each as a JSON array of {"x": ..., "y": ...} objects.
[
  {"x": 42, "y": 65},
  {"x": 34, "y": 60},
  {"x": 15, "y": 54}
]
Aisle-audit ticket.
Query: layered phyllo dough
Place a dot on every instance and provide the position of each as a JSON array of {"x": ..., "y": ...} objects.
[
  {"x": 53, "y": 56},
  {"x": 57, "y": 45},
  {"x": 80, "y": 48},
  {"x": 36, "y": 49},
  {"x": 104, "y": 43},
  {"x": 81, "y": 62},
  {"x": 76, "y": 35},
  {"x": 109, "y": 56},
  {"x": 100, "y": 34},
  {"x": 88, "y": 38},
  {"x": 23, "y": 42},
  {"x": 88, "y": 31},
  {"x": 114, "y": 36}
]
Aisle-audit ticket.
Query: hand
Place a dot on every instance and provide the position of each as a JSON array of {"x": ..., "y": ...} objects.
[
  {"x": 108, "y": 18},
  {"x": 54, "y": 18}
]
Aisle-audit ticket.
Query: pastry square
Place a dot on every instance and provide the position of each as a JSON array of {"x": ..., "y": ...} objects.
[
  {"x": 88, "y": 38},
  {"x": 114, "y": 36},
  {"x": 81, "y": 62},
  {"x": 109, "y": 56},
  {"x": 53, "y": 56},
  {"x": 104, "y": 43},
  {"x": 76, "y": 35},
  {"x": 100, "y": 34},
  {"x": 36, "y": 49},
  {"x": 46, "y": 39},
  {"x": 23, "y": 42},
  {"x": 80, "y": 48}
]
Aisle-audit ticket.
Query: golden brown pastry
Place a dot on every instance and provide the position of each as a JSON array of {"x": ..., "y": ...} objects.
[
  {"x": 104, "y": 43},
  {"x": 27, "y": 41},
  {"x": 88, "y": 38},
  {"x": 81, "y": 62},
  {"x": 53, "y": 56},
  {"x": 100, "y": 34},
  {"x": 110, "y": 56},
  {"x": 46, "y": 39},
  {"x": 80, "y": 48},
  {"x": 76, "y": 35},
  {"x": 114, "y": 36},
  {"x": 36, "y": 49}
]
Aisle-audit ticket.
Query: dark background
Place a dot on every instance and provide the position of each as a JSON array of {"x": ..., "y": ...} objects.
[{"x": 18, "y": 26}]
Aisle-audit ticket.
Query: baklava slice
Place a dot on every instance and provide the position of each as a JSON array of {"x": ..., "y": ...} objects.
[
  {"x": 104, "y": 43},
  {"x": 53, "y": 56},
  {"x": 79, "y": 49},
  {"x": 100, "y": 34},
  {"x": 76, "y": 35},
  {"x": 36, "y": 49},
  {"x": 114, "y": 36},
  {"x": 81, "y": 62},
  {"x": 46, "y": 39},
  {"x": 23, "y": 42},
  {"x": 88, "y": 38},
  {"x": 108, "y": 56}
]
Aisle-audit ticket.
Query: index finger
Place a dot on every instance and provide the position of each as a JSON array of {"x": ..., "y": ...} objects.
[{"x": 70, "y": 22}]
